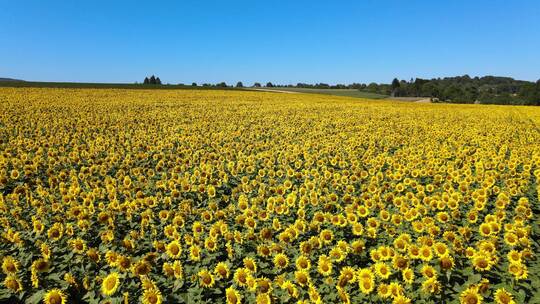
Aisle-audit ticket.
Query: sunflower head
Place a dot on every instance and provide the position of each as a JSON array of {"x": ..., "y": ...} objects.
[
  {"x": 54, "y": 296},
  {"x": 206, "y": 279},
  {"x": 232, "y": 296},
  {"x": 110, "y": 284}
]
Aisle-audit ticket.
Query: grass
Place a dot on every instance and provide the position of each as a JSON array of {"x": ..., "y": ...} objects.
[{"x": 336, "y": 92}]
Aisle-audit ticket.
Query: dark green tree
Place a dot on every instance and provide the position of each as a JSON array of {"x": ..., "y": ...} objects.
[
  {"x": 239, "y": 84},
  {"x": 152, "y": 79},
  {"x": 395, "y": 87},
  {"x": 146, "y": 80}
]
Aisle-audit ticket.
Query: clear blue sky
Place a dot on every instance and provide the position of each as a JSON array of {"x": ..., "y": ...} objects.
[{"x": 278, "y": 41}]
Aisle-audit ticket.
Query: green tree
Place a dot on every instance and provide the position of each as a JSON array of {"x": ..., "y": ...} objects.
[
  {"x": 239, "y": 84},
  {"x": 395, "y": 87}
]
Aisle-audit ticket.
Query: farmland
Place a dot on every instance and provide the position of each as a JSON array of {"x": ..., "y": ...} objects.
[
  {"x": 231, "y": 196},
  {"x": 335, "y": 92}
]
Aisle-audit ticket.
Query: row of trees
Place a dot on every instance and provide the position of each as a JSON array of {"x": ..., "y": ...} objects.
[
  {"x": 464, "y": 89},
  {"x": 152, "y": 80}
]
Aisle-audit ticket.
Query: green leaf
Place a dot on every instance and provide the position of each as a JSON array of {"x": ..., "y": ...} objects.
[{"x": 36, "y": 297}]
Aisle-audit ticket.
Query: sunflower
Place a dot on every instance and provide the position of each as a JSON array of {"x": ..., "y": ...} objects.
[
  {"x": 222, "y": 270},
  {"x": 78, "y": 245},
  {"x": 302, "y": 277},
  {"x": 503, "y": 297},
  {"x": 399, "y": 262},
  {"x": 45, "y": 251},
  {"x": 366, "y": 285},
  {"x": 482, "y": 261},
  {"x": 263, "y": 298},
  {"x": 485, "y": 229},
  {"x": 142, "y": 267},
  {"x": 10, "y": 265},
  {"x": 151, "y": 296},
  {"x": 211, "y": 191},
  {"x": 241, "y": 275},
  {"x": 511, "y": 239},
  {"x": 446, "y": 262},
  {"x": 382, "y": 270},
  {"x": 174, "y": 250},
  {"x": 425, "y": 253},
  {"x": 303, "y": 263},
  {"x": 401, "y": 299},
  {"x": 408, "y": 275},
  {"x": 41, "y": 265},
  {"x": 383, "y": 291},
  {"x": 110, "y": 284},
  {"x": 211, "y": 244},
  {"x": 206, "y": 279},
  {"x": 281, "y": 261},
  {"x": 178, "y": 270},
  {"x": 54, "y": 296},
  {"x": 93, "y": 254},
  {"x": 124, "y": 263},
  {"x": 195, "y": 253},
  {"x": 55, "y": 232},
  {"x": 13, "y": 283},
  {"x": 326, "y": 236},
  {"x": 431, "y": 285},
  {"x": 357, "y": 229},
  {"x": 518, "y": 270},
  {"x": 324, "y": 266},
  {"x": 347, "y": 275},
  {"x": 357, "y": 246},
  {"x": 343, "y": 295},
  {"x": 250, "y": 264},
  {"x": 291, "y": 289},
  {"x": 233, "y": 296},
  {"x": 470, "y": 296},
  {"x": 514, "y": 256}
]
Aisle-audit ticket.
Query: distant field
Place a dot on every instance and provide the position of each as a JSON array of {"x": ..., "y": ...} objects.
[{"x": 336, "y": 92}]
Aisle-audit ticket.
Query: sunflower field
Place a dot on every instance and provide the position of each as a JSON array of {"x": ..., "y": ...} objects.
[{"x": 194, "y": 196}]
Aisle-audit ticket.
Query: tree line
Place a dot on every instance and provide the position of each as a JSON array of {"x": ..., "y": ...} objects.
[
  {"x": 465, "y": 89},
  {"x": 459, "y": 89}
]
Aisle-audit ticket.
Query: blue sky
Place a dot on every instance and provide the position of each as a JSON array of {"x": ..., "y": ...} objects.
[{"x": 278, "y": 41}]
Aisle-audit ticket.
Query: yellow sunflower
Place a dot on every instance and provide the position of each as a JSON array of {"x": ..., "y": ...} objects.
[
  {"x": 54, "y": 296},
  {"x": 13, "y": 283},
  {"x": 206, "y": 279},
  {"x": 233, "y": 296},
  {"x": 222, "y": 270},
  {"x": 152, "y": 296},
  {"x": 174, "y": 250},
  {"x": 503, "y": 297},
  {"x": 470, "y": 296},
  {"x": 10, "y": 265},
  {"x": 110, "y": 284}
]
